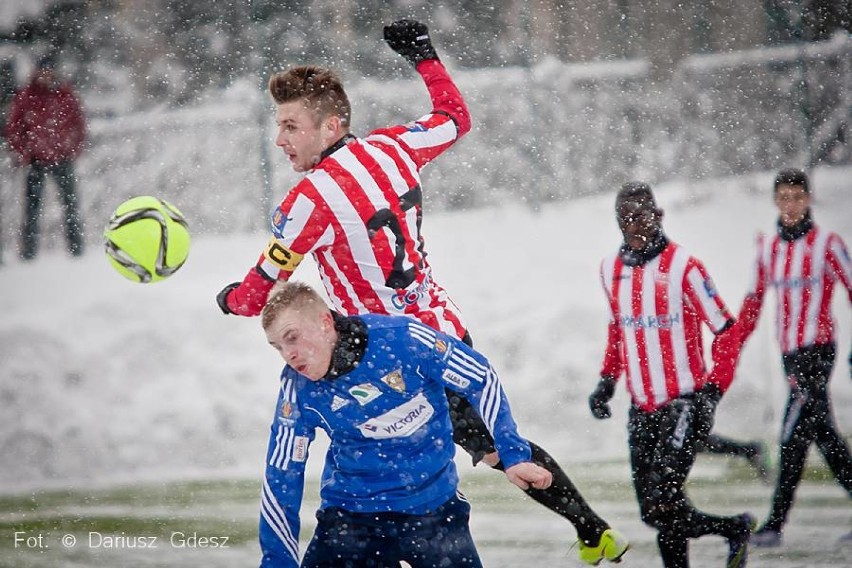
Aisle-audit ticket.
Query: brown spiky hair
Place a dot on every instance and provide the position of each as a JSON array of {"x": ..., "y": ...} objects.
[
  {"x": 287, "y": 295},
  {"x": 320, "y": 88}
]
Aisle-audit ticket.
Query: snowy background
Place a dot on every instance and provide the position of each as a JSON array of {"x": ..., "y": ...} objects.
[
  {"x": 103, "y": 379},
  {"x": 134, "y": 409},
  {"x": 144, "y": 404}
]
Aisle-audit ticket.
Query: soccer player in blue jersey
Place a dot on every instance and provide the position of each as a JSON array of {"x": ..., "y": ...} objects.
[{"x": 375, "y": 384}]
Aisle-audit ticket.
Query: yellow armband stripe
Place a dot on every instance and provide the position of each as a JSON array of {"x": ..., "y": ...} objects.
[{"x": 282, "y": 257}]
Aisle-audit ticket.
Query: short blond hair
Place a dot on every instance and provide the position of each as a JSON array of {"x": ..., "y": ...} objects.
[{"x": 290, "y": 295}]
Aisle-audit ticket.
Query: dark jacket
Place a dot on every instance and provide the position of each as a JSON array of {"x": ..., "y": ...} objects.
[{"x": 46, "y": 123}]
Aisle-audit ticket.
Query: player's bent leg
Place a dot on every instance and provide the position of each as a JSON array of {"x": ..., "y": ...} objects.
[
  {"x": 674, "y": 548},
  {"x": 562, "y": 497}
]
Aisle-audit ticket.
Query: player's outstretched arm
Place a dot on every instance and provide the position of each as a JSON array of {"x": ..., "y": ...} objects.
[
  {"x": 528, "y": 474},
  {"x": 410, "y": 39}
]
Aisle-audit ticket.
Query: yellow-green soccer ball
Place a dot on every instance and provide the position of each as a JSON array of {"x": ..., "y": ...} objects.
[{"x": 147, "y": 239}]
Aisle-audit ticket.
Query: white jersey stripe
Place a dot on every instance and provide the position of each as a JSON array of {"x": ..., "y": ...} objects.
[
  {"x": 625, "y": 298},
  {"x": 778, "y": 268},
  {"x": 297, "y": 218},
  {"x": 653, "y": 350},
  {"x": 276, "y": 519},
  {"x": 359, "y": 238},
  {"x": 423, "y": 334},
  {"x": 490, "y": 402},
  {"x": 382, "y": 139},
  {"x": 469, "y": 362},
  {"x": 797, "y": 251},
  {"x": 677, "y": 270},
  {"x": 443, "y": 134},
  {"x": 818, "y": 268},
  {"x": 330, "y": 272},
  {"x": 390, "y": 169},
  {"x": 348, "y": 161}
]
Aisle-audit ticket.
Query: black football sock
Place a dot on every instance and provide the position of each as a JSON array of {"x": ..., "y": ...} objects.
[{"x": 564, "y": 499}]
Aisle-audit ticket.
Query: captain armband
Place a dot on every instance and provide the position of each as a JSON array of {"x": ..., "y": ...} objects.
[{"x": 281, "y": 256}]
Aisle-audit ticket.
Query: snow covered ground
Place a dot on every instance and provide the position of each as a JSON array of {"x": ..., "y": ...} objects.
[{"x": 117, "y": 397}]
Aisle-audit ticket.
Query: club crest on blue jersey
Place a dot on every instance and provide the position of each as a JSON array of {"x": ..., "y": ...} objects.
[
  {"x": 444, "y": 349},
  {"x": 286, "y": 417},
  {"x": 394, "y": 380}
]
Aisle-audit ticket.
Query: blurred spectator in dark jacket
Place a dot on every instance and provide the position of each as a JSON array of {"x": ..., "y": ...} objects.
[{"x": 46, "y": 130}]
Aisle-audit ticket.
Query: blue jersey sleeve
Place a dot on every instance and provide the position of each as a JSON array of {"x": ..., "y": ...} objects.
[
  {"x": 283, "y": 484},
  {"x": 466, "y": 371}
]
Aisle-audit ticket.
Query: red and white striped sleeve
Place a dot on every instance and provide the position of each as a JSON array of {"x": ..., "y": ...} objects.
[
  {"x": 837, "y": 259},
  {"x": 429, "y": 136},
  {"x": 613, "y": 360},
  {"x": 753, "y": 301},
  {"x": 700, "y": 290}
]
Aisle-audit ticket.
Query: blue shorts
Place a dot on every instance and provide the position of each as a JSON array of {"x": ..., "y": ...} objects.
[{"x": 381, "y": 540}]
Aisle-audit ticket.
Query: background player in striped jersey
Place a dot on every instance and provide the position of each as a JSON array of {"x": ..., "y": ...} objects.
[
  {"x": 375, "y": 384},
  {"x": 357, "y": 211},
  {"x": 660, "y": 296},
  {"x": 802, "y": 262}
]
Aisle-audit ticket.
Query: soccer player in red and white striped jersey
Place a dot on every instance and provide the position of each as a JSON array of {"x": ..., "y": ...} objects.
[
  {"x": 660, "y": 297},
  {"x": 803, "y": 262},
  {"x": 357, "y": 211}
]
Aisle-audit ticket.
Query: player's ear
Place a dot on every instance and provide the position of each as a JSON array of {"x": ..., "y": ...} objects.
[
  {"x": 331, "y": 129},
  {"x": 327, "y": 320}
]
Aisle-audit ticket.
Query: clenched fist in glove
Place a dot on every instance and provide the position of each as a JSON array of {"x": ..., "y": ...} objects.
[
  {"x": 410, "y": 39},
  {"x": 599, "y": 399}
]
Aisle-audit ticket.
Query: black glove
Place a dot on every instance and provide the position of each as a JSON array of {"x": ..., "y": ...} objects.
[
  {"x": 599, "y": 399},
  {"x": 410, "y": 39},
  {"x": 222, "y": 297}
]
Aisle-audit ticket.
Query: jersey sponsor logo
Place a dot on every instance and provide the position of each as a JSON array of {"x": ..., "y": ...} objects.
[
  {"x": 300, "y": 448},
  {"x": 395, "y": 381},
  {"x": 410, "y": 297},
  {"x": 285, "y": 416},
  {"x": 400, "y": 422},
  {"x": 455, "y": 379},
  {"x": 337, "y": 403},
  {"x": 365, "y": 392},
  {"x": 282, "y": 257},
  {"x": 795, "y": 283},
  {"x": 659, "y": 321}
]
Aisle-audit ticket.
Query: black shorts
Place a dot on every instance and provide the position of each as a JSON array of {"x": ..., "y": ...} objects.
[{"x": 345, "y": 539}]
